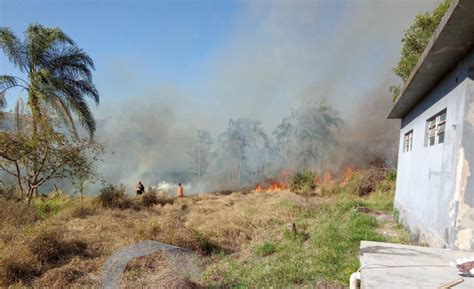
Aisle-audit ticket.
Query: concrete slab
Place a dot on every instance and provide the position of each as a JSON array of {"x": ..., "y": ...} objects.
[{"x": 395, "y": 266}]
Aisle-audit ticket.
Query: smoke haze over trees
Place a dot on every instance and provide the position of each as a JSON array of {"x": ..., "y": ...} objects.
[{"x": 277, "y": 59}]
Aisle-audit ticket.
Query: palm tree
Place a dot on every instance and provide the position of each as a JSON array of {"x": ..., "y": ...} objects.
[{"x": 58, "y": 76}]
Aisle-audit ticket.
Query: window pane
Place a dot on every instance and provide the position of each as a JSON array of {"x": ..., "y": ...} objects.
[
  {"x": 441, "y": 137},
  {"x": 442, "y": 117},
  {"x": 432, "y": 141}
]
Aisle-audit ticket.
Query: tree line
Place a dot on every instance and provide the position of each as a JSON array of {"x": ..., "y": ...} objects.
[{"x": 244, "y": 152}]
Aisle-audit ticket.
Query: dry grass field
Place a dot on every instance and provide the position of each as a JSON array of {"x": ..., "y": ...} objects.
[{"x": 240, "y": 239}]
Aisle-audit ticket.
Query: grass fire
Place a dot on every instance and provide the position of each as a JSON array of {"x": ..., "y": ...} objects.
[{"x": 221, "y": 144}]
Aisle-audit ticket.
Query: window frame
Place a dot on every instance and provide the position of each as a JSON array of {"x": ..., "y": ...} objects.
[
  {"x": 408, "y": 141},
  {"x": 436, "y": 129}
]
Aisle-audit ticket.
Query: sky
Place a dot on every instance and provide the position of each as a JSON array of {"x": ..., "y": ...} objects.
[{"x": 167, "y": 68}]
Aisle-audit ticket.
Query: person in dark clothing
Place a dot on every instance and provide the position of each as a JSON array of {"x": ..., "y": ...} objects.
[{"x": 140, "y": 189}]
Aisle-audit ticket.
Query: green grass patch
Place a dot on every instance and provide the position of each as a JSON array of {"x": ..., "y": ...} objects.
[
  {"x": 324, "y": 248},
  {"x": 265, "y": 249}
]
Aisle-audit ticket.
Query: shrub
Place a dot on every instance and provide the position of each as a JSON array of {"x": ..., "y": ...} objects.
[
  {"x": 149, "y": 199},
  {"x": 114, "y": 197},
  {"x": 49, "y": 247},
  {"x": 369, "y": 180},
  {"x": 16, "y": 213},
  {"x": 49, "y": 207},
  {"x": 303, "y": 183}
]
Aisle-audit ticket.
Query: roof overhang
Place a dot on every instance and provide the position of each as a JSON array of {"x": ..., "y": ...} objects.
[{"x": 451, "y": 41}]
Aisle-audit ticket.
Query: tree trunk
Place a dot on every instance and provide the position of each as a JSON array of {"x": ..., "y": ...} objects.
[
  {"x": 18, "y": 176},
  {"x": 30, "y": 193}
]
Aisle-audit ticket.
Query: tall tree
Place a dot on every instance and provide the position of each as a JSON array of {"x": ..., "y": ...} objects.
[
  {"x": 306, "y": 135},
  {"x": 58, "y": 76},
  {"x": 200, "y": 154},
  {"x": 415, "y": 40},
  {"x": 234, "y": 142}
]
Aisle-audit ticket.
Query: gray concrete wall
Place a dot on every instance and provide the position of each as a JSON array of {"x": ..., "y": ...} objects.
[
  {"x": 464, "y": 189},
  {"x": 428, "y": 176}
]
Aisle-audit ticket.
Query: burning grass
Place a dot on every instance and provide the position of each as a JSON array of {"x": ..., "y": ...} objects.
[{"x": 240, "y": 239}]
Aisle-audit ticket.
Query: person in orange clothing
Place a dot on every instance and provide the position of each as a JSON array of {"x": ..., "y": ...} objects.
[{"x": 180, "y": 191}]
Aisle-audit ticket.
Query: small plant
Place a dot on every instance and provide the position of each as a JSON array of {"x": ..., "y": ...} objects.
[
  {"x": 49, "y": 247},
  {"x": 391, "y": 175},
  {"x": 265, "y": 249},
  {"x": 149, "y": 199},
  {"x": 114, "y": 197},
  {"x": 48, "y": 207},
  {"x": 303, "y": 183},
  {"x": 367, "y": 181}
]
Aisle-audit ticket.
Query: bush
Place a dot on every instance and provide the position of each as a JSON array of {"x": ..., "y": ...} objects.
[
  {"x": 369, "y": 181},
  {"x": 303, "y": 183},
  {"x": 16, "y": 213},
  {"x": 49, "y": 207},
  {"x": 114, "y": 197},
  {"x": 149, "y": 199},
  {"x": 50, "y": 248}
]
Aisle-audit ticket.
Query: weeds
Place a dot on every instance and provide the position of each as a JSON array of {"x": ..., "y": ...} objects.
[
  {"x": 303, "y": 183},
  {"x": 265, "y": 249},
  {"x": 48, "y": 207}
]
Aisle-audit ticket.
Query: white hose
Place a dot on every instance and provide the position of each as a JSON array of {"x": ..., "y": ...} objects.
[{"x": 354, "y": 281}]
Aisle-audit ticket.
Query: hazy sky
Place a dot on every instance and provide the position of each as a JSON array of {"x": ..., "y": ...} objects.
[
  {"x": 166, "y": 68},
  {"x": 225, "y": 54}
]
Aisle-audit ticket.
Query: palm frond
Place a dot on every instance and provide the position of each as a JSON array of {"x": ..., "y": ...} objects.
[
  {"x": 82, "y": 110},
  {"x": 40, "y": 39},
  {"x": 13, "y": 48},
  {"x": 64, "y": 113},
  {"x": 6, "y": 82},
  {"x": 71, "y": 62}
]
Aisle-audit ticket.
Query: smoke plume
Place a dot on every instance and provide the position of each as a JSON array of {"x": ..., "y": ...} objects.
[{"x": 279, "y": 56}]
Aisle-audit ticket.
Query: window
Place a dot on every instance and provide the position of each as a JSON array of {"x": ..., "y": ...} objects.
[
  {"x": 408, "y": 141},
  {"x": 435, "y": 129}
]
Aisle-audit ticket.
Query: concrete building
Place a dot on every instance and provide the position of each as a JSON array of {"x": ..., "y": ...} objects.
[{"x": 435, "y": 184}]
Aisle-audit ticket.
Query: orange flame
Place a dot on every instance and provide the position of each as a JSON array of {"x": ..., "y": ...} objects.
[
  {"x": 258, "y": 188},
  {"x": 327, "y": 177},
  {"x": 273, "y": 186},
  {"x": 348, "y": 173}
]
